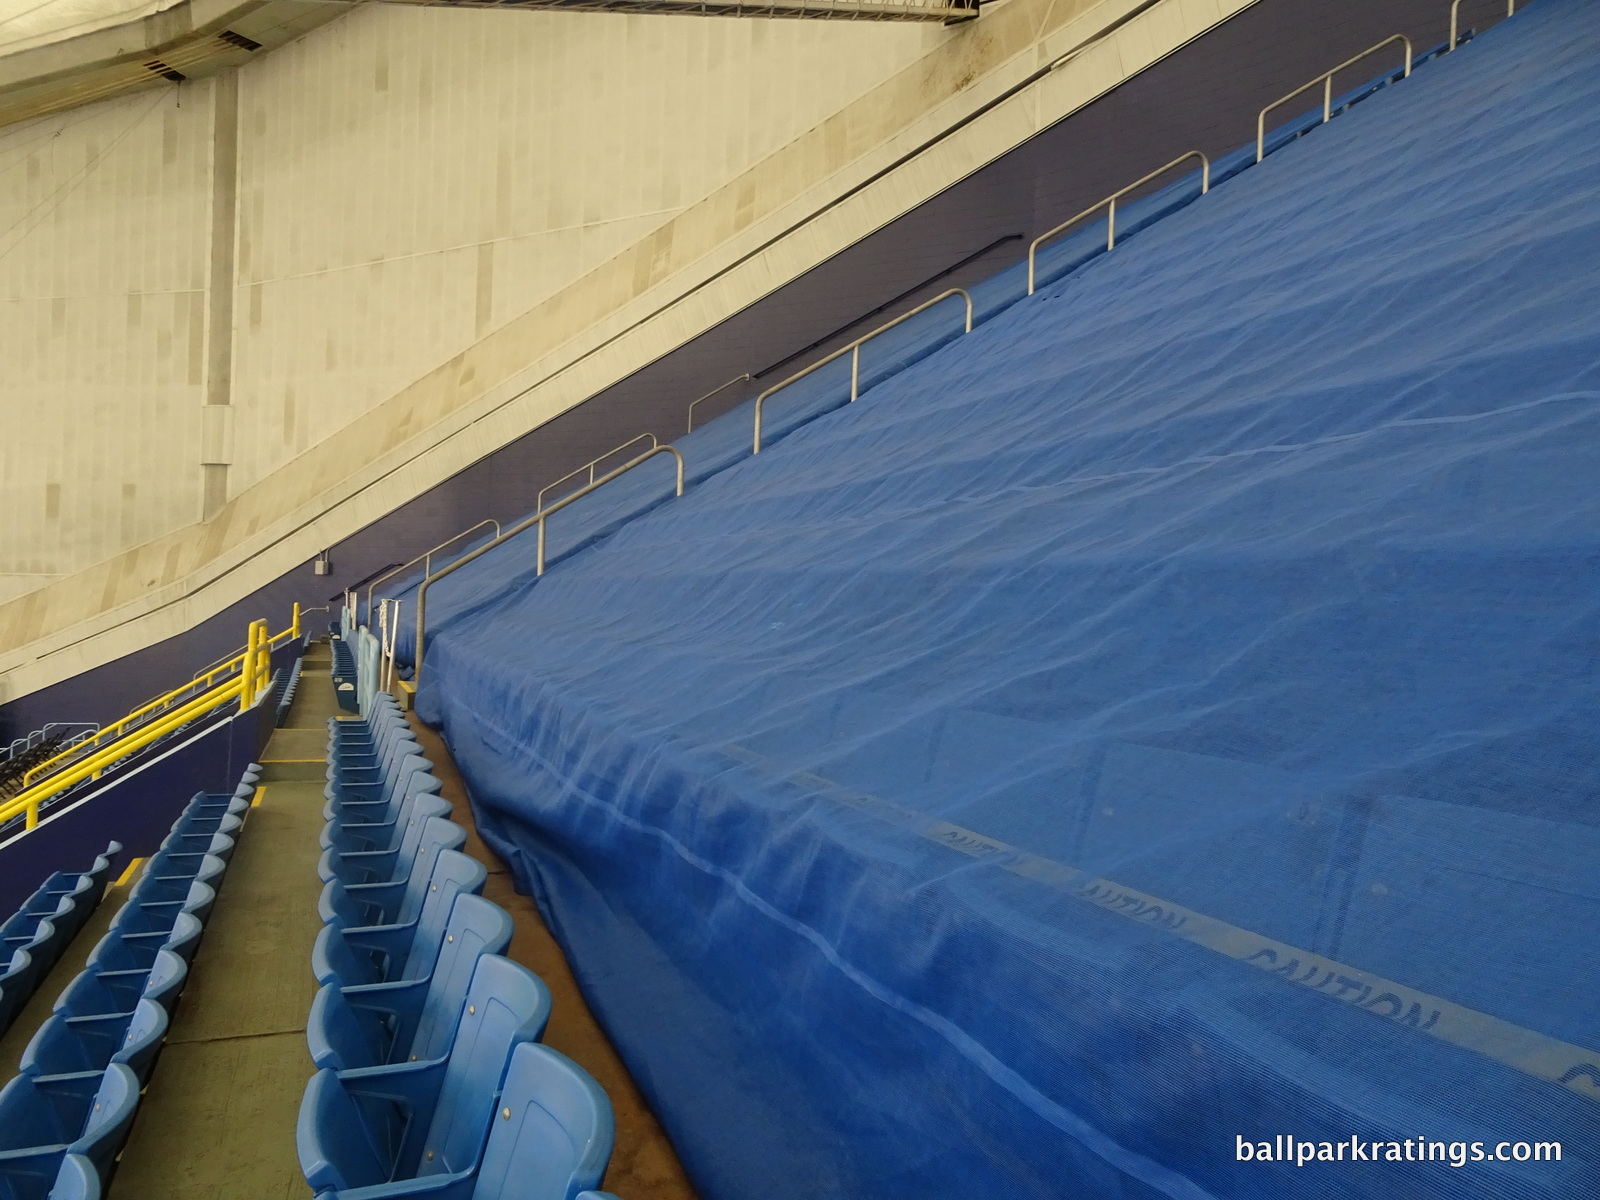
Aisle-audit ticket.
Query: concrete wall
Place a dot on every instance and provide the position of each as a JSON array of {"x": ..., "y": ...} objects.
[{"x": 523, "y": 327}]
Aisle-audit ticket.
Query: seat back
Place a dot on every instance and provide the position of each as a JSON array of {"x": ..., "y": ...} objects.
[
  {"x": 94, "y": 991},
  {"x": 109, "y": 1118},
  {"x": 331, "y": 1137},
  {"x": 143, "y": 1039},
  {"x": 551, "y": 1133},
  {"x": 476, "y": 927},
  {"x": 28, "y": 1118},
  {"x": 61, "y": 1047},
  {"x": 507, "y": 1004},
  {"x": 423, "y": 811},
  {"x": 453, "y": 874},
  {"x": 76, "y": 1180},
  {"x": 166, "y": 978}
]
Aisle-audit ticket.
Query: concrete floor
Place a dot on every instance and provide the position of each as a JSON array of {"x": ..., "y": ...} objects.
[{"x": 217, "y": 1121}]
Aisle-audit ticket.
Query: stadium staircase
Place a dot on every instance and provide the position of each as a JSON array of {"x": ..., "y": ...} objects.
[{"x": 1154, "y": 723}]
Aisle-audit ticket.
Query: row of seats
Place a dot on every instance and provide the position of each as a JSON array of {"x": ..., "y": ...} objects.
[
  {"x": 289, "y": 689},
  {"x": 344, "y": 673},
  {"x": 431, "y": 1077},
  {"x": 34, "y": 936},
  {"x": 64, "y": 1118},
  {"x": 14, "y": 770}
]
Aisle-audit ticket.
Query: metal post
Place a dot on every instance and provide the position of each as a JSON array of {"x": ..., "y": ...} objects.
[{"x": 247, "y": 669}]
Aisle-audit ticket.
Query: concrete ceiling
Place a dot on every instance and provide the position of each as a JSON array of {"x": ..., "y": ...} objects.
[{"x": 57, "y": 54}]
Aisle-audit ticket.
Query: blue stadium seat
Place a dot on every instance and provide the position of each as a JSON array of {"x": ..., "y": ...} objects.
[
  {"x": 167, "y": 977},
  {"x": 408, "y": 1020},
  {"x": 196, "y": 898},
  {"x": 384, "y": 830},
  {"x": 203, "y": 833},
  {"x": 76, "y": 1046},
  {"x": 175, "y": 881},
  {"x": 382, "y": 953},
  {"x": 441, "y": 1109},
  {"x": 97, "y": 993},
  {"x": 76, "y": 1180},
  {"x": 395, "y": 901},
  {"x": 352, "y": 797},
  {"x": 132, "y": 951},
  {"x": 379, "y": 866},
  {"x": 40, "y": 1124},
  {"x": 168, "y": 861}
]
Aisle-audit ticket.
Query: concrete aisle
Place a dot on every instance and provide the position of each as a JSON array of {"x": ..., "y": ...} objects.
[{"x": 217, "y": 1122}]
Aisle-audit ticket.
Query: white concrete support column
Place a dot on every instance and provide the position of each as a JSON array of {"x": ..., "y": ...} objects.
[{"x": 216, "y": 426}]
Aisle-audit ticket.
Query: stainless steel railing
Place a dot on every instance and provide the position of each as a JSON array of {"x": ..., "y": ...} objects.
[
  {"x": 854, "y": 350},
  {"x": 1110, "y": 205},
  {"x": 1455, "y": 13},
  {"x": 537, "y": 519},
  {"x": 745, "y": 378},
  {"x": 426, "y": 559},
  {"x": 1326, "y": 80}
]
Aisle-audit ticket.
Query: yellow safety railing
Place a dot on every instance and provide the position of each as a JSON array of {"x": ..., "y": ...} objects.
[{"x": 252, "y": 666}]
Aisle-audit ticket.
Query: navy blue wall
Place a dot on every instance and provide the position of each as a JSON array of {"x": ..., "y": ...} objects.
[{"x": 1206, "y": 96}]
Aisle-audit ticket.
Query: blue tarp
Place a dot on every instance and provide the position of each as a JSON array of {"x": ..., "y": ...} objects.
[{"x": 1163, "y": 717}]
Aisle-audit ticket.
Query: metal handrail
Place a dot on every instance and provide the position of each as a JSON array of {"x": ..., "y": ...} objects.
[
  {"x": 1110, "y": 204},
  {"x": 538, "y": 501},
  {"x": 30, "y": 800},
  {"x": 1326, "y": 80},
  {"x": 745, "y": 378},
  {"x": 1455, "y": 13},
  {"x": 388, "y": 635},
  {"x": 425, "y": 558},
  {"x": 854, "y": 350},
  {"x": 147, "y": 711},
  {"x": 538, "y": 519}
]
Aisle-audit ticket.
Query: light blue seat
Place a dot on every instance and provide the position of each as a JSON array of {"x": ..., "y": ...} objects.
[
  {"x": 74, "y": 1046},
  {"x": 121, "y": 951},
  {"x": 380, "y": 953},
  {"x": 177, "y": 861},
  {"x": 96, "y": 993},
  {"x": 408, "y": 1020},
  {"x": 76, "y": 1180},
  {"x": 382, "y": 712},
  {"x": 196, "y": 898},
  {"x": 29, "y": 963},
  {"x": 170, "y": 880},
  {"x": 167, "y": 977},
  {"x": 377, "y": 1125},
  {"x": 17, "y": 982},
  {"x": 550, "y": 1138},
  {"x": 93, "y": 993},
  {"x": 396, "y": 901},
  {"x": 350, "y": 798},
  {"x": 211, "y": 822},
  {"x": 40, "y": 1124},
  {"x": 347, "y": 757},
  {"x": 387, "y": 829},
  {"x": 42, "y": 934},
  {"x": 383, "y": 866},
  {"x": 200, "y": 839}
]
